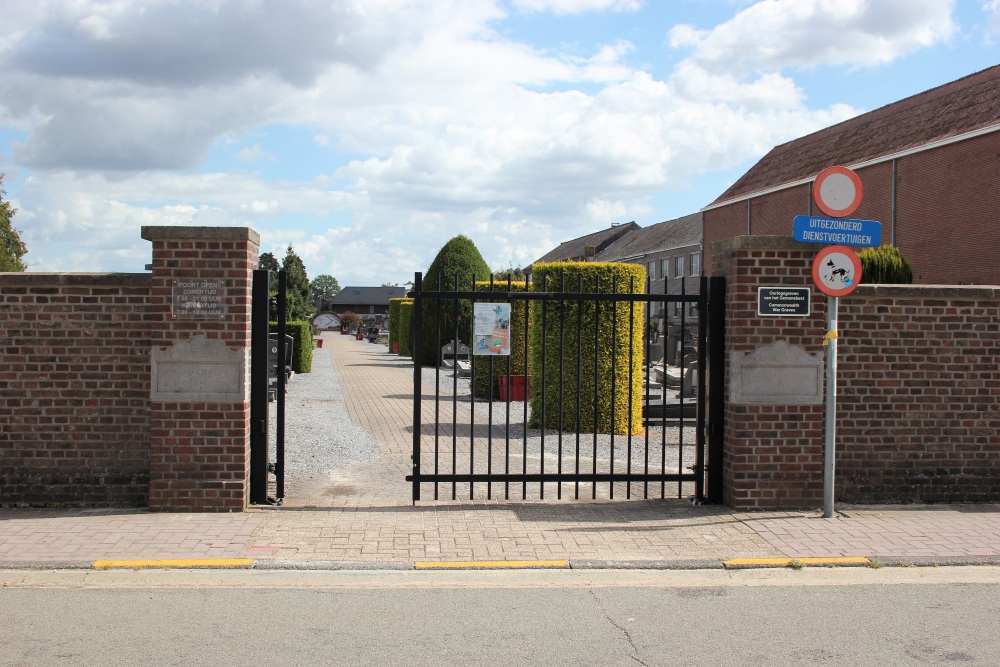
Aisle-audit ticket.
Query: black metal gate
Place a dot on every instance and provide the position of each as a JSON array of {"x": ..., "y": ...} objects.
[
  {"x": 267, "y": 383},
  {"x": 490, "y": 446}
]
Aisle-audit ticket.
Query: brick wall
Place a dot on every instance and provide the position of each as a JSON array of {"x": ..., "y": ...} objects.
[
  {"x": 918, "y": 389},
  {"x": 82, "y": 422},
  {"x": 74, "y": 383}
]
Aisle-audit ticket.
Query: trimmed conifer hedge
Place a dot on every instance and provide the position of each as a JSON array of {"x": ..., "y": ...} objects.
[
  {"x": 394, "y": 321},
  {"x": 459, "y": 257},
  {"x": 603, "y": 328},
  {"x": 406, "y": 327},
  {"x": 302, "y": 344},
  {"x": 884, "y": 265}
]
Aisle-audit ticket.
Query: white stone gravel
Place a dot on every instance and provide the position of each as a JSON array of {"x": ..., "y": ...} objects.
[{"x": 316, "y": 421}]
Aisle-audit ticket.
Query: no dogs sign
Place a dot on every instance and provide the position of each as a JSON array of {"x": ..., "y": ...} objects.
[{"x": 836, "y": 270}]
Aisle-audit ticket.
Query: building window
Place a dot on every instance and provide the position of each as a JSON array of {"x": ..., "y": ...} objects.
[
  {"x": 679, "y": 266},
  {"x": 664, "y": 267},
  {"x": 694, "y": 264},
  {"x": 652, "y": 270}
]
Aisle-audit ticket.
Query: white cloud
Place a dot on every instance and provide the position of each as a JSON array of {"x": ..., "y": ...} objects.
[
  {"x": 435, "y": 122},
  {"x": 804, "y": 33},
  {"x": 992, "y": 10},
  {"x": 577, "y": 6}
]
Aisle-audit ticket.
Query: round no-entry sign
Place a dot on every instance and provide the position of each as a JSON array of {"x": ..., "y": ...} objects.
[
  {"x": 836, "y": 270},
  {"x": 837, "y": 191}
]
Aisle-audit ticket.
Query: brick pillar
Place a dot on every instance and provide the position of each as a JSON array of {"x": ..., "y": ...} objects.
[
  {"x": 774, "y": 408},
  {"x": 200, "y": 403}
]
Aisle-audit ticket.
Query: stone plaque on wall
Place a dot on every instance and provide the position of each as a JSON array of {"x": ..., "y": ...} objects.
[
  {"x": 198, "y": 297},
  {"x": 776, "y": 374},
  {"x": 200, "y": 369}
]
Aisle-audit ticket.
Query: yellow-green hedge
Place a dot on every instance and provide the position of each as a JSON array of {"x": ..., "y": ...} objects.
[
  {"x": 394, "y": 321},
  {"x": 620, "y": 326},
  {"x": 405, "y": 331},
  {"x": 483, "y": 384}
]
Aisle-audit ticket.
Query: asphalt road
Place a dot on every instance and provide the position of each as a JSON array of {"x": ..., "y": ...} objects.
[{"x": 845, "y": 616}]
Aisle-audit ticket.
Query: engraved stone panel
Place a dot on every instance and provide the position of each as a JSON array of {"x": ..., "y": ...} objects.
[
  {"x": 777, "y": 374},
  {"x": 200, "y": 369}
]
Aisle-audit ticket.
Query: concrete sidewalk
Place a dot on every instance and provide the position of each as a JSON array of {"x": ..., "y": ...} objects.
[{"x": 362, "y": 517}]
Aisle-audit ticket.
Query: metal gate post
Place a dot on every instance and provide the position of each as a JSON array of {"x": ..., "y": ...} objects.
[
  {"x": 260, "y": 296},
  {"x": 716, "y": 304},
  {"x": 279, "y": 464},
  {"x": 418, "y": 321}
]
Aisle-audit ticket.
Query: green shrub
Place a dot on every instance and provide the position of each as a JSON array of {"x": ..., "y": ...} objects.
[
  {"x": 618, "y": 326},
  {"x": 394, "y": 305},
  {"x": 302, "y": 344},
  {"x": 458, "y": 258},
  {"x": 884, "y": 265},
  {"x": 484, "y": 385},
  {"x": 406, "y": 328}
]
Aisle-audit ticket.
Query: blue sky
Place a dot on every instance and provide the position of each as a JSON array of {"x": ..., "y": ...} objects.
[{"x": 368, "y": 134}]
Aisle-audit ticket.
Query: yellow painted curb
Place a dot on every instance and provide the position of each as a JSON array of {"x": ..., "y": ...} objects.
[
  {"x": 490, "y": 564},
  {"x": 181, "y": 563},
  {"x": 786, "y": 562}
]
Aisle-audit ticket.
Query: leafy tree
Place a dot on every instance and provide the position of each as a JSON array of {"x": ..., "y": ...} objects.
[
  {"x": 515, "y": 275},
  {"x": 12, "y": 249},
  {"x": 323, "y": 288},
  {"x": 300, "y": 306},
  {"x": 267, "y": 261},
  {"x": 459, "y": 258},
  {"x": 390, "y": 284}
]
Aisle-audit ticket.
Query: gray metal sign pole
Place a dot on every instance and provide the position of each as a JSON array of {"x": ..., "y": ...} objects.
[{"x": 829, "y": 448}]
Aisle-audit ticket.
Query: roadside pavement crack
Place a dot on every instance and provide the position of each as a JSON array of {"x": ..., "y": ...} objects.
[{"x": 621, "y": 628}]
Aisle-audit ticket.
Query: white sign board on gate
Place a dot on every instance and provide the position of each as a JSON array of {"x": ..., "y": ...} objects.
[{"x": 491, "y": 329}]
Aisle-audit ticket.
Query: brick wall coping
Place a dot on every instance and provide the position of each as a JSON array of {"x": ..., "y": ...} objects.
[
  {"x": 77, "y": 279},
  {"x": 201, "y": 234}
]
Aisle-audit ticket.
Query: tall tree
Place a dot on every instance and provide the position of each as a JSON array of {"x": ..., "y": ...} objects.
[
  {"x": 323, "y": 288},
  {"x": 12, "y": 249},
  {"x": 300, "y": 306}
]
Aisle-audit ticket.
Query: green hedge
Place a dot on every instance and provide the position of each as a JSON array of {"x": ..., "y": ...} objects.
[
  {"x": 884, "y": 265},
  {"x": 406, "y": 328},
  {"x": 302, "y": 347},
  {"x": 394, "y": 317},
  {"x": 459, "y": 257},
  {"x": 516, "y": 360},
  {"x": 619, "y": 325}
]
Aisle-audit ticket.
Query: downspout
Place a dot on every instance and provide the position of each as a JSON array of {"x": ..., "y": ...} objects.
[{"x": 893, "y": 223}]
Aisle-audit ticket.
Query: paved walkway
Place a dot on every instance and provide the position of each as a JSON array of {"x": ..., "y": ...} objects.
[{"x": 363, "y": 517}]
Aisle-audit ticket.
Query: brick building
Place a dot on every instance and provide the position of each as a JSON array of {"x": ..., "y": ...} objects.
[
  {"x": 671, "y": 253},
  {"x": 930, "y": 169}
]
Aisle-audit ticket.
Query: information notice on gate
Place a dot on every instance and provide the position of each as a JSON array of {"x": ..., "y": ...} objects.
[
  {"x": 491, "y": 329},
  {"x": 198, "y": 297},
  {"x": 783, "y": 301}
]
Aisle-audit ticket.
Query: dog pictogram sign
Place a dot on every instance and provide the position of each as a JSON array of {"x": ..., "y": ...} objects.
[{"x": 836, "y": 270}]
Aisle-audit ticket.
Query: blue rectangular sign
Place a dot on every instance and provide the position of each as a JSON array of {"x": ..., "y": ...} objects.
[{"x": 837, "y": 231}]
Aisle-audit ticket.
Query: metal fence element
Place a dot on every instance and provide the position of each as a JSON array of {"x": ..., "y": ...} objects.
[{"x": 491, "y": 445}]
